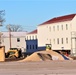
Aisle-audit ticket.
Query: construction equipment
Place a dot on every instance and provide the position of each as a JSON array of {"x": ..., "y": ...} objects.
[
  {"x": 14, "y": 53},
  {"x": 48, "y": 46}
]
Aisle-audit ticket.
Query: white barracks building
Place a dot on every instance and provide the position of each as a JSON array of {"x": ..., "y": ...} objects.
[
  {"x": 60, "y": 32},
  {"x": 17, "y": 40}
]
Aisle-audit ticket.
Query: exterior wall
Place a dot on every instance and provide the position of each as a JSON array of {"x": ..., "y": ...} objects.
[
  {"x": 31, "y": 36},
  {"x": 49, "y": 34},
  {"x": 21, "y": 44},
  {"x": 73, "y": 36},
  {"x": 5, "y": 41},
  {"x": 31, "y": 46},
  {"x": 14, "y": 43},
  {"x": 73, "y": 24},
  {"x": 31, "y": 43}
]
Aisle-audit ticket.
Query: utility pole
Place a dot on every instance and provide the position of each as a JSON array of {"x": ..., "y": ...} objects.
[
  {"x": 2, "y": 13},
  {"x": 8, "y": 26}
]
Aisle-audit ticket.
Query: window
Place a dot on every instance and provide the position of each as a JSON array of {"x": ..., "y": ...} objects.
[
  {"x": 58, "y": 28},
  {"x": 32, "y": 37},
  {"x": 62, "y": 40},
  {"x": 36, "y": 46},
  {"x": 30, "y": 46},
  {"x": 33, "y": 46},
  {"x": 18, "y": 39},
  {"x": 54, "y": 41},
  {"x": 67, "y": 40},
  {"x": 50, "y": 28},
  {"x": 62, "y": 27},
  {"x": 36, "y": 36},
  {"x": 27, "y": 46},
  {"x": 66, "y": 27},
  {"x": 54, "y": 28},
  {"x": 57, "y": 40}
]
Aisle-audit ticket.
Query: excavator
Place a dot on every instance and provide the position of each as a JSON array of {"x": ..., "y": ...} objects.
[{"x": 14, "y": 53}]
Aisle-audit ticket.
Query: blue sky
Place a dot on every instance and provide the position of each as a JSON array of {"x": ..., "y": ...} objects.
[{"x": 30, "y": 13}]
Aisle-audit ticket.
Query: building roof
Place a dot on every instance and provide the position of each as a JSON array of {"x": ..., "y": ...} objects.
[
  {"x": 33, "y": 32},
  {"x": 14, "y": 34},
  {"x": 59, "y": 19}
]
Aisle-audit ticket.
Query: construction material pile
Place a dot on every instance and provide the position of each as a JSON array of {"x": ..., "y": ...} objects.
[{"x": 46, "y": 56}]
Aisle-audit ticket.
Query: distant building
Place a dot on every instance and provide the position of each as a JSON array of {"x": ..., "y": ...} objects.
[
  {"x": 17, "y": 40},
  {"x": 31, "y": 42},
  {"x": 60, "y": 32}
]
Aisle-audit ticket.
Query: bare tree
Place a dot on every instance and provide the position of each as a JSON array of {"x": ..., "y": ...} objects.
[
  {"x": 2, "y": 13},
  {"x": 14, "y": 28}
]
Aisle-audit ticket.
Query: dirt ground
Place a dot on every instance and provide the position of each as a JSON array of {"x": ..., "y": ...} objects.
[{"x": 65, "y": 67}]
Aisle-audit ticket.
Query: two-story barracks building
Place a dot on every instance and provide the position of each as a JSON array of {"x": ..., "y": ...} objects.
[{"x": 60, "y": 32}]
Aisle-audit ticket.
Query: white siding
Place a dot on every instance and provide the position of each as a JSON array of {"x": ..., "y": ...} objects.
[
  {"x": 31, "y": 36},
  {"x": 14, "y": 44},
  {"x": 45, "y": 35},
  {"x": 73, "y": 24}
]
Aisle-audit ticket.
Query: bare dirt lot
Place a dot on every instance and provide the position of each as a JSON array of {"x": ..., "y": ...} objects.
[{"x": 65, "y": 67}]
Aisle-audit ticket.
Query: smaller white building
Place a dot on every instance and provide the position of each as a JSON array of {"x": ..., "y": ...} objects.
[{"x": 17, "y": 40}]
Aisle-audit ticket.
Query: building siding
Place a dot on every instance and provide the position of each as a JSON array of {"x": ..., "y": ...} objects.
[
  {"x": 47, "y": 36},
  {"x": 31, "y": 46},
  {"x": 5, "y": 40}
]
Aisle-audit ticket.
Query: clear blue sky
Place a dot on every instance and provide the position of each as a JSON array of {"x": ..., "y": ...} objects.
[{"x": 30, "y": 13}]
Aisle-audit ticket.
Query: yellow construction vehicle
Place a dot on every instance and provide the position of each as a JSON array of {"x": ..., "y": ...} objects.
[
  {"x": 14, "y": 53},
  {"x": 48, "y": 46}
]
